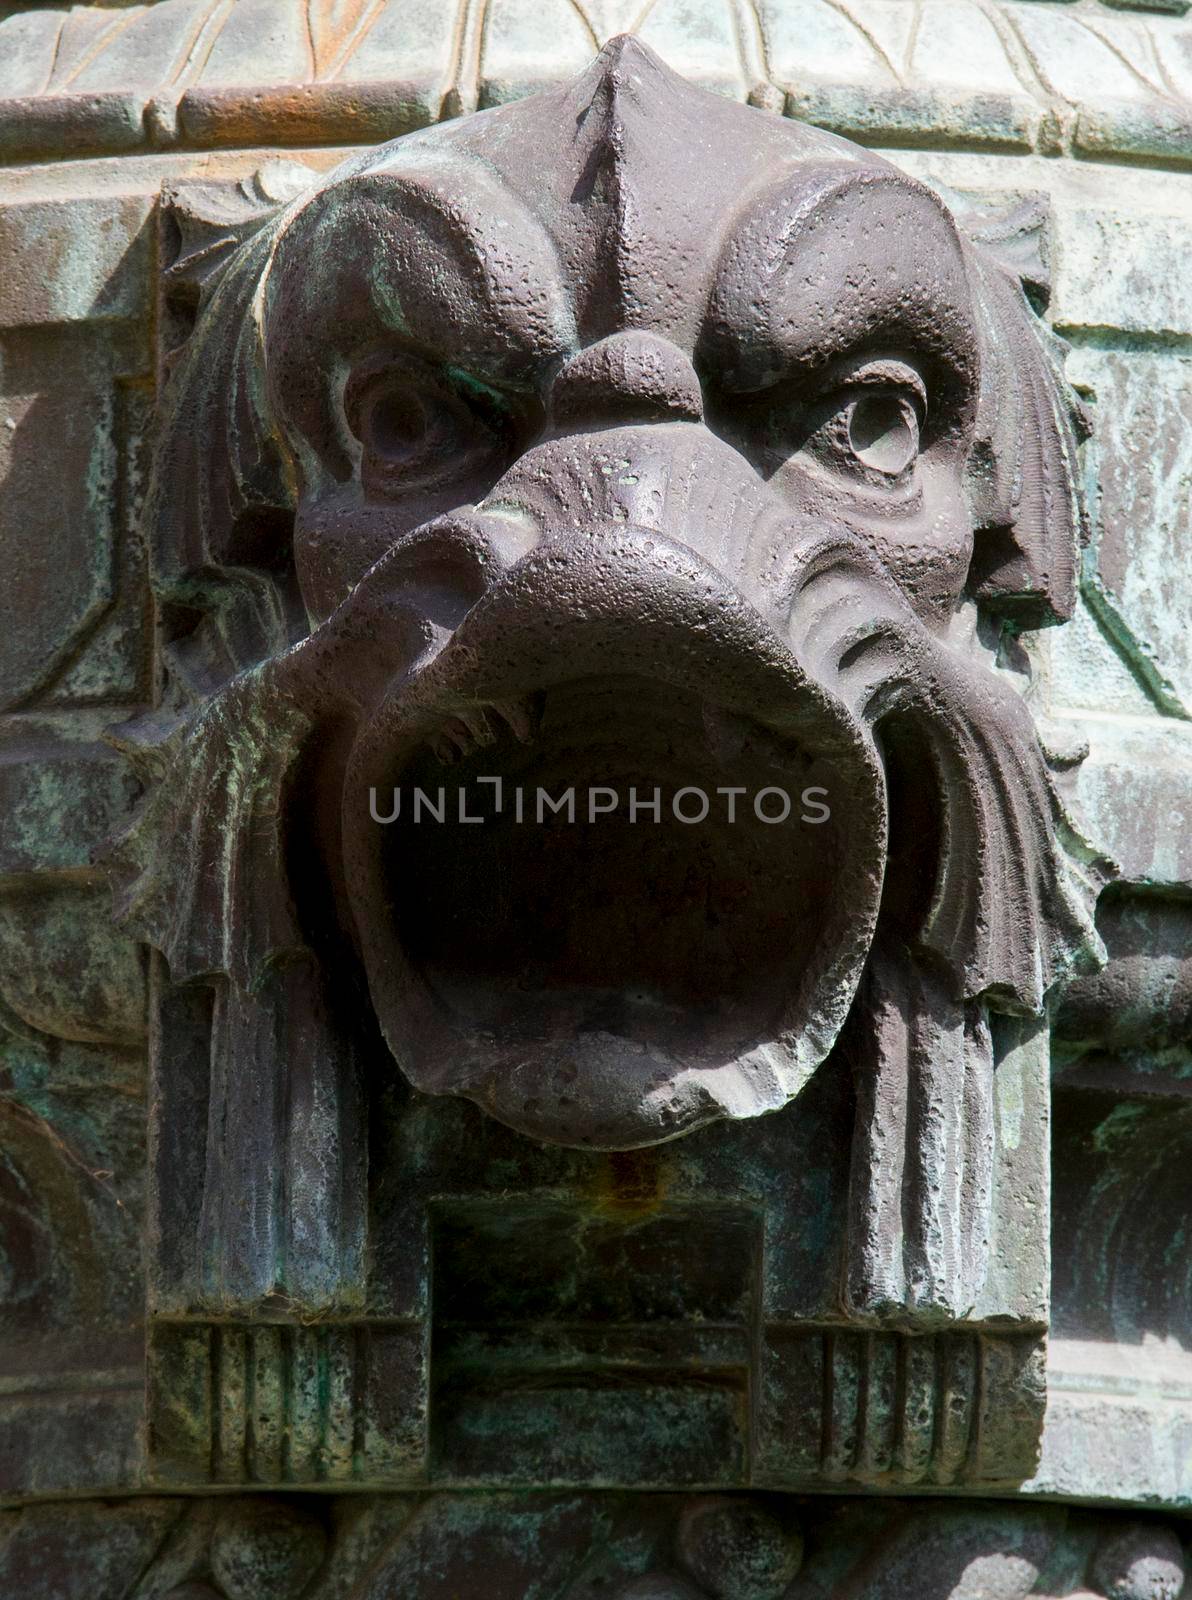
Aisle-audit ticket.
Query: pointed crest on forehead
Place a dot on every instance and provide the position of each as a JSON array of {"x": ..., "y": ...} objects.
[
  {"x": 496, "y": 246},
  {"x": 636, "y": 173}
]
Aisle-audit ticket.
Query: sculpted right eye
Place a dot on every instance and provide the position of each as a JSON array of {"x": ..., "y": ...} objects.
[
  {"x": 870, "y": 426},
  {"x": 883, "y": 432}
]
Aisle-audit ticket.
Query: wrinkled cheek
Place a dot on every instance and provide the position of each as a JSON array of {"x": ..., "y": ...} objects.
[
  {"x": 338, "y": 538},
  {"x": 930, "y": 558},
  {"x": 924, "y": 542}
]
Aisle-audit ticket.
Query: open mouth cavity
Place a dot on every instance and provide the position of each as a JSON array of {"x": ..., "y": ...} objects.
[
  {"x": 614, "y": 906},
  {"x": 585, "y": 904}
]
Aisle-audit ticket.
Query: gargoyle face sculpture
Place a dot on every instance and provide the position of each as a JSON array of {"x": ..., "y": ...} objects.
[{"x": 632, "y": 439}]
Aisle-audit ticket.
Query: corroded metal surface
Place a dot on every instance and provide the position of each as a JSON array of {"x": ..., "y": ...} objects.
[
  {"x": 491, "y": 1376},
  {"x": 676, "y": 484},
  {"x": 1005, "y": 74},
  {"x": 578, "y": 1547}
]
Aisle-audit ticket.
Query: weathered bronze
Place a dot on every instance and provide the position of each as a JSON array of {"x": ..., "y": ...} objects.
[
  {"x": 687, "y": 459},
  {"x": 617, "y": 901}
]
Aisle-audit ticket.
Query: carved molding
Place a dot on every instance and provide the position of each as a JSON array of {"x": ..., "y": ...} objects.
[
  {"x": 576, "y": 1546},
  {"x": 1092, "y": 78}
]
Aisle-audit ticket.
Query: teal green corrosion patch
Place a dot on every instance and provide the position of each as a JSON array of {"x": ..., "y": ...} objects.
[
  {"x": 60, "y": 802},
  {"x": 533, "y": 1547},
  {"x": 1120, "y": 1127}
]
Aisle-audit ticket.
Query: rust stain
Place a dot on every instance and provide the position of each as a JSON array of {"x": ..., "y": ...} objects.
[{"x": 630, "y": 1183}]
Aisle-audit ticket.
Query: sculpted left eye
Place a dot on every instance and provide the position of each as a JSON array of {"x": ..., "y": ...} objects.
[
  {"x": 402, "y": 424},
  {"x": 413, "y": 424}
]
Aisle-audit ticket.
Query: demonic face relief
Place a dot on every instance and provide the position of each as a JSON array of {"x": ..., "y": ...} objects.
[
  {"x": 638, "y": 442},
  {"x": 426, "y": 325}
]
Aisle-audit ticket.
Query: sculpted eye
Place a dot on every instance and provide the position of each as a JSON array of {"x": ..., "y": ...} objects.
[
  {"x": 404, "y": 424},
  {"x": 868, "y": 423},
  {"x": 416, "y": 428},
  {"x": 398, "y": 421},
  {"x": 883, "y": 431}
]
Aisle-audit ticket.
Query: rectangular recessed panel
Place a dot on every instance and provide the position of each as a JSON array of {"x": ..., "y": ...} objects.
[{"x": 574, "y": 1345}]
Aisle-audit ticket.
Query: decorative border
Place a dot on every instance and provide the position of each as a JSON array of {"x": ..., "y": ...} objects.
[
  {"x": 358, "y": 1404},
  {"x": 1097, "y": 80}
]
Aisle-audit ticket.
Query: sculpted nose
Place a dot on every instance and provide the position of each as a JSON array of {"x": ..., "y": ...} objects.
[{"x": 628, "y": 377}]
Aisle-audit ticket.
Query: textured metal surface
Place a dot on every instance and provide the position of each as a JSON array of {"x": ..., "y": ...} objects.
[
  {"x": 1084, "y": 104},
  {"x": 578, "y": 1547},
  {"x": 729, "y": 488},
  {"x": 1094, "y": 79}
]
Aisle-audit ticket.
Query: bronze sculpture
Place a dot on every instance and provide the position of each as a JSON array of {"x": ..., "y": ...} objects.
[
  {"x": 480, "y": 469},
  {"x": 618, "y": 837}
]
